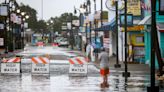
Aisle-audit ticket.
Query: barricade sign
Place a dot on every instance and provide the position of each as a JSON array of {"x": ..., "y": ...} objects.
[
  {"x": 54, "y": 44},
  {"x": 78, "y": 66},
  {"x": 11, "y": 65},
  {"x": 40, "y": 65},
  {"x": 40, "y": 44}
]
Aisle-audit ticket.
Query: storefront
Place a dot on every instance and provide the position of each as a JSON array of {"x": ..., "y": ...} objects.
[
  {"x": 147, "y": 33},
  {"x": 135, "y": 43}
]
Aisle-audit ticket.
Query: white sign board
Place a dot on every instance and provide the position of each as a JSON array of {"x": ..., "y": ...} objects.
[
  {"x": 69, "y": 25},
  {"x": 76, "y": 22},
  {"x": 40, "y": 68},
  {"x": 25, "y": 25},
  {"x": 3, "y": 10},
  {"x": 1, "y": 41},
  {"x": 1, "y": 26},
  {"x": 10, "y": 67},
  {"x": 78, "y": 68}
]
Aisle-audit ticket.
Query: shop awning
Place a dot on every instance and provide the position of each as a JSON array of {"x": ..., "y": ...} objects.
[
  {"x": 107, "y": 27},
  {"x": 160, "y": 27},
  {"x": 145, "y": 21}
]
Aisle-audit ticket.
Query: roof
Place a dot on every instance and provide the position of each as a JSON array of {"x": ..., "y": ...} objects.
[
  {"x": 107, "y": 27},
  {"x": 145, "y": 21},
  {"x": 160, "y": 27}
]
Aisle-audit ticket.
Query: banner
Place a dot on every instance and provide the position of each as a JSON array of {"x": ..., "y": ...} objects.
[
  {"x": 134, "y": 7},
  {"x": 76, "y": 23},
  {"x": 161, "y": 7},
  {"x": 1, "y": 41},
  {"x": 3, "y": 10},
  {"x": 1, "y": 26}
]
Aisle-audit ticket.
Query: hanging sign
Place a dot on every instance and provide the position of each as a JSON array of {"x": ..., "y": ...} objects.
[{"x": 3, "y": 10}]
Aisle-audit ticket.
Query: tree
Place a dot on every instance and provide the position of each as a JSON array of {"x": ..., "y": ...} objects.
[
  {"x": 58, "y": 21},
  {"x": 32, "y": 21},
  {"x": 41, "y": 27}
]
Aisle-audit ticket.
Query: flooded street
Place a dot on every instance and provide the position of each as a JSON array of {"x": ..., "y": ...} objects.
[
  {"x": 59, "y": 80},
  {"x": 64, "y": 83}
]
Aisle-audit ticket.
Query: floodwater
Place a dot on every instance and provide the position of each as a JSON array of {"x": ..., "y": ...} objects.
[
  {"x": 63, "y": 83},
  {"x": 59, "y": 80}
]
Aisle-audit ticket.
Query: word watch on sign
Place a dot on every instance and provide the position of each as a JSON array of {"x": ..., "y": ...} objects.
[
  {"x": 40, "y": 65},
  {"x": 78, "y": 66},
  {"x": 11, "y": 66}
]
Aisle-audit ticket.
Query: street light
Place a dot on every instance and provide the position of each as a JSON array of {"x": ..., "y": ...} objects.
[
  {"x": 18, "y": 10},
  {"x": 126, "y": 73},
  {"x": 117, "y": 65},
  {"x": 152, "y": 87},
  {"x": 90, "y": 23},
  {"x": 51, "y": 29},
  {"x": 101, "y": 12},
  {"x": 80, "y": 22},
  {"x": 27, "y": 16},
  {"x": 22, "y": 13}
]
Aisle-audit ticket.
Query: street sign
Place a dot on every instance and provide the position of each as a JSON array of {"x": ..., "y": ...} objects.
[
  {"x": 10, "y": 65},
  {"x": 3, "y": 10},
  {"x": 1, "y": 41},
  {"x": 40, "y": 65},
  {"x": 78, "y": 66},
  {"x": 40, "y": 68},
  {"x": 1, "y": 26}
]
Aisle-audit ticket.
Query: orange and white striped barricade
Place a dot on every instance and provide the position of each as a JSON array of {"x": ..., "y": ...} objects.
[
  {"x": 40, "y": 65},
  {"x": 78, "y": 66},
  {"x": 54, "y": 45},
  {"x": 11, "y": 65},
  {"x": 40, "y": 44}
]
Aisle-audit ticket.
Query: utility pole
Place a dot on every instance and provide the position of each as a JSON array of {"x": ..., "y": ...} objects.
[
  {"x": 6, "y": 33},
  {"x": 71, "y": 34},
  {"x": 101, "y": 12},
  {"x": 117, "y": 65},
  {"x": 152, "y": 87},
  {"x": 126, "y": 73},
  {"x": 86, "y": 34}
]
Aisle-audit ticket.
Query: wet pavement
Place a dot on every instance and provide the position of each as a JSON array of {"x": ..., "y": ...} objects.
[
  {"x": 59, "y": 80},
  {"x": 63, "y": 83}
]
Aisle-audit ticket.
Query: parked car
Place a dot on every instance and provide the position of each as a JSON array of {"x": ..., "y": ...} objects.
[{"x": 63, "y": 42}]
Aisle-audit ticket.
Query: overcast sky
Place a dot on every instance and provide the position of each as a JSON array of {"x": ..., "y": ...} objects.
[{"x": 52, "y": 8}]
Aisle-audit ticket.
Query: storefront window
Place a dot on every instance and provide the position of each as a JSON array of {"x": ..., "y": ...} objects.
[{"x": 139, "y": 39}]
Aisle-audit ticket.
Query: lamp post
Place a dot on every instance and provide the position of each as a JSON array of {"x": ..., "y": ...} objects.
[
  {"x": 152, "y": 87},
  {"x": 126, "y": 73},
  {"x": 51, "y": 30},
  {"x": 95, "y": 24},
  {"x": 22, "y": 28},
  {"x": 86, "y": 24},
  {"x": 117, "y": 65},
  {"x": 69, "y": 26},
  {"x": 5, "y": 29},
  {"x": 8, "y": 35},
  {"x": 90, "y": 23},
  {"x": 101, "y": 12},
  {"x": 18, "y": 40},
  {"x": 80, "y": 23}
]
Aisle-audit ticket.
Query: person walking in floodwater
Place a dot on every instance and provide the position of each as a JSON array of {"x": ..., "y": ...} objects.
[{"x": 104, "y": 67}]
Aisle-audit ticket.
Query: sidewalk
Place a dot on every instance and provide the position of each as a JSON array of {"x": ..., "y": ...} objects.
[
  {"x": 9, "y": 54},
  {"x": 132, "y": 68}
]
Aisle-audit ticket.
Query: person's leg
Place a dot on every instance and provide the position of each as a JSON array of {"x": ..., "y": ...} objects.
[
  {"x": 103, "y": 82},
  {"x": 106, "y": 77}
]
